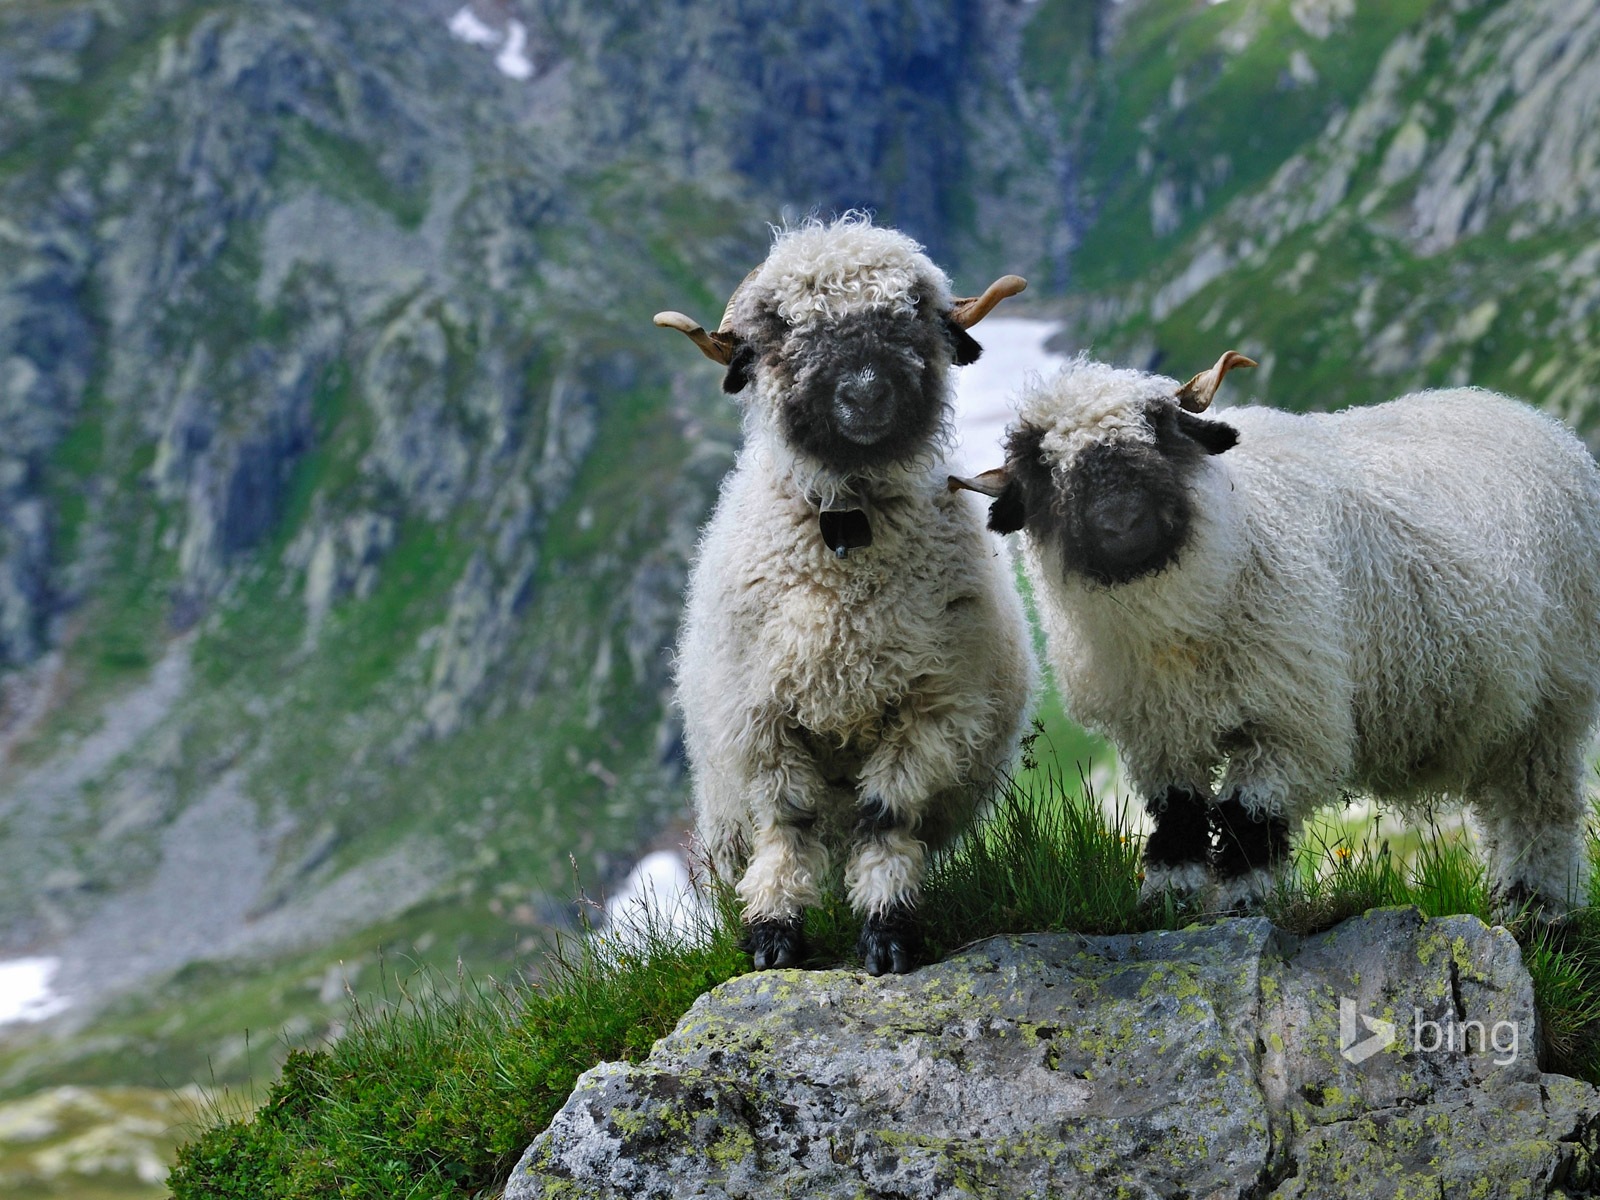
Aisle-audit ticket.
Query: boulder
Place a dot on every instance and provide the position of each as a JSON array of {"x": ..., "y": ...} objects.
[{"x": 1391, "y": 1056}]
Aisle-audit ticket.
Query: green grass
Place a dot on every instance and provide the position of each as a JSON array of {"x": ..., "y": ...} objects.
[
  {"x": 437, "y": 1087},
  {"x": 344, "y": 167},
  {"x": 432, "y": 1094}
]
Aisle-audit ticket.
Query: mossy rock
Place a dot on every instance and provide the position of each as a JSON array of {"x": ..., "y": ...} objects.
[{"x": 1206, "y": 1062}]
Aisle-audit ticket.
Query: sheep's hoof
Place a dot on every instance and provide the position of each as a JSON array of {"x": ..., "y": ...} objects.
[
  {"x": 1181, "y": 881},
  {"x": 1243, "y": 894},
  {"x": 890, "y": 942},
  {"x": 775, "y": 944},
  {"x": 1522, "y": 900}
]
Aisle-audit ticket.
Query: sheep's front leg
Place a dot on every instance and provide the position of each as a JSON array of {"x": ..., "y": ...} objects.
[
  {"x": 885, "y": 881},
  {"x": 915, "y": 775},
  {"x": 1177, "y": 852},
  {"x": 780, "y": 882},
  {"x": 787, "y": 860}
]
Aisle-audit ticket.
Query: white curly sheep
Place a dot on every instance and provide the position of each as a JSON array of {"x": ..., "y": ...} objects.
[
  {"x": 1266, "y": 610},
  {"x": 854, "y": 664}
]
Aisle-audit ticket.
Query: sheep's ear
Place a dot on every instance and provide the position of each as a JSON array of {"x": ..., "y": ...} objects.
[
  {"x": 739, "y": 364},
  {"x": 964, "y": 346},
  {"x": 1214, "y": 436},
  {"x": 1008, "y": 513}
]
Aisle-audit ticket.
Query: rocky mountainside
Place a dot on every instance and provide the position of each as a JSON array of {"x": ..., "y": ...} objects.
[
  {"x": 1439, "y": 228},
  {"x": 346, "y": 492}
]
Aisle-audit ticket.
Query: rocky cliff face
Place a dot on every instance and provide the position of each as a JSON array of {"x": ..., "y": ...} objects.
[
  {"x": 346, "y": 491},
  {"x": 1391, "y": 1056}
]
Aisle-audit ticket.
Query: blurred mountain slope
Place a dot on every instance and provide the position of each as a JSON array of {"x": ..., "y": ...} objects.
[
  {"x": 1441, "y": 227},
  {"x": 346, "y": 491}
]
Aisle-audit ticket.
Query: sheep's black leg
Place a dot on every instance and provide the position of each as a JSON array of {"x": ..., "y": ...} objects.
[
  {"x": 1182, "y": 834},
  {"x": 1519, "y": 900},
  {"x": 1249, "y": 848},
  {"x": 890, "y": 941},
  {"x": 774, "y": 943},
  {"x": 1176, "y": 852}
]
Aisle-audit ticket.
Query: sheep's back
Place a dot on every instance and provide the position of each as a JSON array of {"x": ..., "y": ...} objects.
[{"x": 1464, "y": 529}]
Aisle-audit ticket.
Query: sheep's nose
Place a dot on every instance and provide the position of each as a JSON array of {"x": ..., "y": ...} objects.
[
  {"x": 860, "y": 405},
  {"x": 1125, "y": 530},
  {"x": 862, "y": 391}
]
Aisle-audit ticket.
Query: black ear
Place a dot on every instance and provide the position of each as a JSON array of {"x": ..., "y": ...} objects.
[
  {"x": 1008, "y": 513},
  {"x": 1214, "y": 436},
  {"x": 964, "y": 346},
  {"x": 738, "y": 376}
]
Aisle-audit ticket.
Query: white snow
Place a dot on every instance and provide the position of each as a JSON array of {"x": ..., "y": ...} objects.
[
  {"x": 25, "y": 993},
  {"x": 512, "y": 60},
  {"x": 658, "y": 896},
  {"x": 468, "y": 27},
  {"x": 986, "y": 391}
]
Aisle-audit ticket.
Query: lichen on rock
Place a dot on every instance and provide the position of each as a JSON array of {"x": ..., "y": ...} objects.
[{"x": 1232, "y": 1059}]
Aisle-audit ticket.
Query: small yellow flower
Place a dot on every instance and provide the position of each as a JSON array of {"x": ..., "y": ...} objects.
[{"x": 1342, "y": 853}]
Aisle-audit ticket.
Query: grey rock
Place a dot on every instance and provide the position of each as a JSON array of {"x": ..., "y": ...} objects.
[{"x": 1207, "y": 1062}]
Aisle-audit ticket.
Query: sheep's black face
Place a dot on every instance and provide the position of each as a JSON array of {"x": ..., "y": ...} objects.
[
  {"x": 866, "y": 389},
  {"x": 1121, "y": 509}
]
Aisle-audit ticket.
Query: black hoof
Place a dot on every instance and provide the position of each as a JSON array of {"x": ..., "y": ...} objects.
[
  {"x": 775, "y": 944},
  {"x": 890, "y": 942},
  {"x": 1527, "y": 903}
]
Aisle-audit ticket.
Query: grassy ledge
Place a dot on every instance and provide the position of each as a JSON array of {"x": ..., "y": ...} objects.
[{"x": 436, "y": 1088}]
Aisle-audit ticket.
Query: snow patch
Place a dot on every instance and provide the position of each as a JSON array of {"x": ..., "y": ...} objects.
[
  {"x": 512, "y": 41},
  {"x": 467, "y": 26},
  {"x": 986, "y": 392},
  {"x": 513, "y": 58},
  {"x": 657, "y": 898},
  {"x": 25, "y": 993}
]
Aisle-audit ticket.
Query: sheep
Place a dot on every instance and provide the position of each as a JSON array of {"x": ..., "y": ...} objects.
[
  {"x": 854, "y": 663},
  {"x": 1402, "y": 600}
]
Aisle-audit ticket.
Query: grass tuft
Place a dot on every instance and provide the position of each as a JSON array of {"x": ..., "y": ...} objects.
[
  {"x": 437, "y": 1087},
  {"x": 1048, "y": 858}
]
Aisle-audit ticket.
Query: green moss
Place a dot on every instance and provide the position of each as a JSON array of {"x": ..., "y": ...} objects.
[{"x": 71, "y": 473}]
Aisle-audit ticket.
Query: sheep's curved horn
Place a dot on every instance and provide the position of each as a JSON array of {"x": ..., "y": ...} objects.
[
  {"x": 969, "y": 310},
  {"x": 990, "y": 483},
  {"x": 718, "y": 347},
  {"x": 1196, "y": 395}
]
